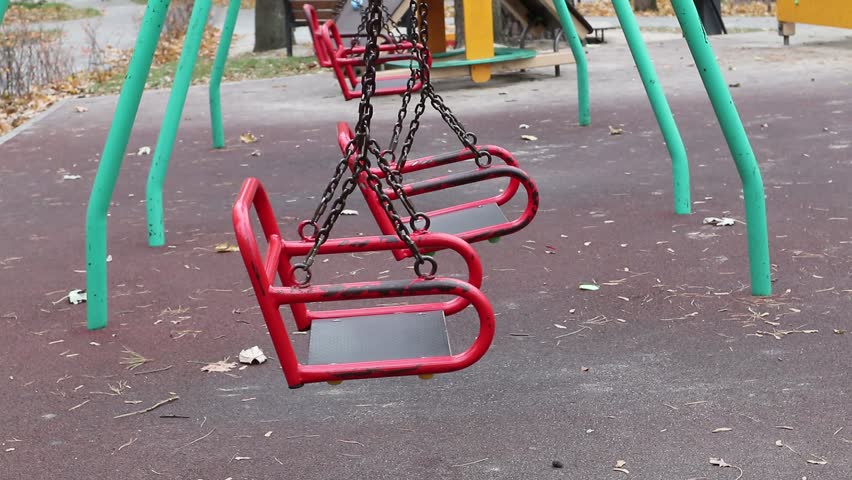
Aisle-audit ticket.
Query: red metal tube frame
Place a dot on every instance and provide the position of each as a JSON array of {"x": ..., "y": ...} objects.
[
  {"x": 345, "y": 135},
  {"x": 323, "y": 56},
  {"x": 343, "y": 63},
  {"x": 280, "y": 251},
  {"x": 262, "y": 273},
  {"x": 516, "y": 176}
]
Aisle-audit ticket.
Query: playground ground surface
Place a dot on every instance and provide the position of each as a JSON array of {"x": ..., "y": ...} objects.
[{"x": 669, "y": 365}]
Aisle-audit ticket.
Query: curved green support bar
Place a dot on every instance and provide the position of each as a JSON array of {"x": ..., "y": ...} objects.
[
  {"x": 4, "y": 5},
  {"x": 668, "y": 126},
  {"x": 110, "y": 164},
  {"x": 216, "y": 128},
  {"x": 171, "y": 122},
  {"x": 584, "y": 111},
  {"x": 738, "y": 143}
]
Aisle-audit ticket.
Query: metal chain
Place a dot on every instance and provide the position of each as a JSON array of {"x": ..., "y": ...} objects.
[
  {"x": 482, "y": 158},
  {"x": 417, "y": 42},
  {"x": 425, "y": 79},
  {"x": 389, "y": 26},
  {"x": 363, "y": 146}
]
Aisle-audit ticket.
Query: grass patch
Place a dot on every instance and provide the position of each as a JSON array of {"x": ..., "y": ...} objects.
[
  {"x": 242, "y": 67},
  {"x": 9, "y": 37},
  {"x": 47, "y": 12}
]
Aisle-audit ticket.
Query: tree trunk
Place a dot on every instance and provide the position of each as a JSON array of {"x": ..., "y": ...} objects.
[
  {"x": 459, "y": 23},
  {"x": 640, "y": 5},
  {"x": 269, "y": 21}
]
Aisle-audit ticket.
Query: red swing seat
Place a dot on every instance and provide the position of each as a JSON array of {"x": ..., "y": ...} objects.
[
  {"x": 373, "y": 342},
  {"x": 344, "y": 59},
  {"x": 474, "y": 221},
  {"x": 312, "y": 19}
]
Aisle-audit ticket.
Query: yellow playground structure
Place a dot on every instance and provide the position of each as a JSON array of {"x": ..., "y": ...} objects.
[{"x": 829, "y": 13}]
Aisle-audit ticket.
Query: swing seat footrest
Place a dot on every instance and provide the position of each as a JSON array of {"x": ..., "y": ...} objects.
[
  {"x": 467, "y": 219},
  {"x": 378, "y": 337}
]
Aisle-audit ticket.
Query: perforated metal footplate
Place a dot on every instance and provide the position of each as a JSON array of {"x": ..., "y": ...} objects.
[
  {"x": 487, "y": 215},
  {"x": 378, "y": 337}
]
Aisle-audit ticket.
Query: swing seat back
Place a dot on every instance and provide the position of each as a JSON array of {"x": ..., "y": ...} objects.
[
  {"x": 373, "y": 342},
  {"x": 313, "y": 21},
  {"x": 343, "y": 61},
  {"x": 474, "y": 221}
]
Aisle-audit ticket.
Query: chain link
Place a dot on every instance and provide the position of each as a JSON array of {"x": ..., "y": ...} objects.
[
  {"x": 392, "y": 28},
  {"x": 362, "y": 146}
]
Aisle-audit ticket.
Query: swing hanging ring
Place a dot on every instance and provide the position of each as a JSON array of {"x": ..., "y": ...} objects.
[
  {"x": 303, "y": 282},
  {"x": 483, "y": 159},
  {"x": 433, "y": 268},
  {"x": 388, "y": 157},
  {"x": 470, "y": 138},
  {"x": 301, "y": 230},
  {"x": 419, "y": 217}
]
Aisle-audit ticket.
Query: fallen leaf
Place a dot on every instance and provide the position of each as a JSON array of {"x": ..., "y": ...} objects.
[
  {"x": 76, "y": 297},
  {"x": 252, "y": 356},
  {"x": 779, "y": 443},
  {"x": 81, "y": 109},
  {"x": 529, "y": 138},
  {"x": 734, "y": 85},
  {"x": 615, "y": 131},
  {"x": 256, "y": 153},
  {"x": 220, "y": 366},
  {"x": 226, "y": 247},
  {"x": 144, "y": 151},
  {"x": 248, "y": 137},
  {"x": 838, "y": 331},
  {"x": 719, "y": 222},
  {"x": 719, "y": 462},
  {"x": 620, "y": 464},
  {"x": 523, "y": 126}
]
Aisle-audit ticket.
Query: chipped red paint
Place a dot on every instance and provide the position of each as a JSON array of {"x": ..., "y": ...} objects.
[
  {"x": 322, "y": 53},
  {"x": 343, "y": 61},
  {"x": 263, "y": 273},
  {"x": 517, "y": 178}
]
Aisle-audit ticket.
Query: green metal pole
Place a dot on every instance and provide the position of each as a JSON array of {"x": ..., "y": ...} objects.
[
  {"x": 584, "y": 111},
  {"x": 674, "y": 142},
  {"x": 171, "y": 122},
  {"x": 218, "y": 70},
  {"x": 110, "y": 164},
  {"x": 4, "y": 4},
  {"x": 738, "y": 143}
]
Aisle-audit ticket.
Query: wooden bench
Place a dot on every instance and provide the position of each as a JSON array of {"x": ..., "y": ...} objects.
[
  {"x": 598, "y": 31},
  {"x": 295, "y": 16}
]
